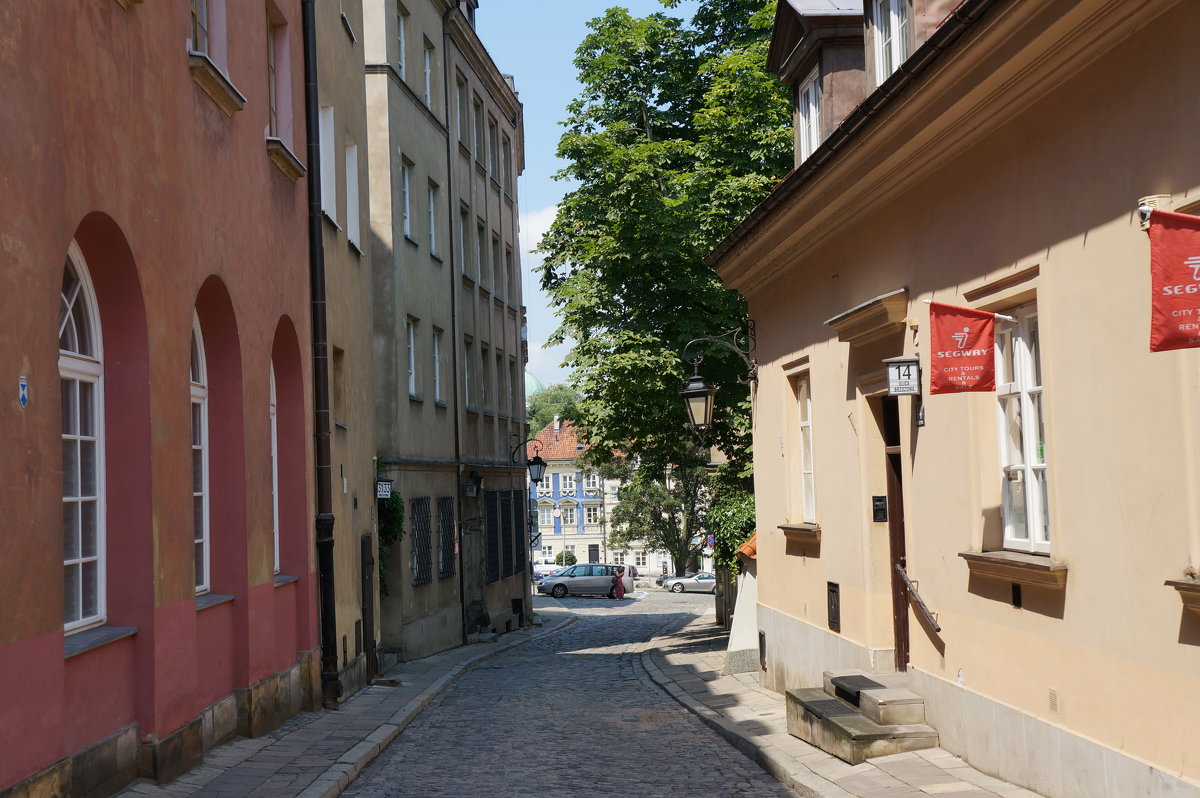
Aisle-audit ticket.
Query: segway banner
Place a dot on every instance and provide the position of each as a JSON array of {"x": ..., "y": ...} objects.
[
  {"x": 963, "y": 356},
  {"x": 1175, "y": 281}
]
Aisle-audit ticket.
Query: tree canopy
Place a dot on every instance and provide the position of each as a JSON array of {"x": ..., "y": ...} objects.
[
  {"x": 665, "y": 514},
  {"x": 677, "y": 134},
  {"x": 556, "y": 400}
]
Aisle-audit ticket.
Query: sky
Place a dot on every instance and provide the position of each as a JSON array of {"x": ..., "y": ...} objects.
[{"x": 535, "y": 41}]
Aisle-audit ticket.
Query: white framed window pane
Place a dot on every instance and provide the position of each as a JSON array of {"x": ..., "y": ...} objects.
[
  {"x": 72, "y": 605},
  {"x": 70, "y": 464},
  {"x": 405, "y": 206},
  {"x": 1043, "y": 498},
  {"x": 352, "y": 212},
  {"x": 328, "y": 165},
  {"x": 1010, "y": 409},
  {"x": 1035, "y": 358},
  {"x": 89, "y": 587},
  {"x": 1005, "y": 372},
  {"x": 1038, "y": 455},
  {"x": 1014, "y": 505},
  {"x": 71, "y": 531},
  {"x": 87, "y": 468},
  {"x": 89, "y": 527}
]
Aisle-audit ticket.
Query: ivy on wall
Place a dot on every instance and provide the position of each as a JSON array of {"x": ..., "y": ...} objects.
[{"x": 391, "y": 532}]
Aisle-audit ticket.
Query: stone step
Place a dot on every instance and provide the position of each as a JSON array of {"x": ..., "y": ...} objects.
[
  {"x": 882, "y": 697},
  {"x": 836, "y": 726}
]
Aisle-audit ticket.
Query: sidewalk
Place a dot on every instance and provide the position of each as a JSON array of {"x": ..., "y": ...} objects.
[
  {"x": 317, "y": 754},
  {"x": 686, "y": 661}
]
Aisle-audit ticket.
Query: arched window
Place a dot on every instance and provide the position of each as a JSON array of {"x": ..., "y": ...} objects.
[
  {"x": 274, "y": 469},
  {"x": 80, "y": 369},
  {"x": 200, "y": 482}
]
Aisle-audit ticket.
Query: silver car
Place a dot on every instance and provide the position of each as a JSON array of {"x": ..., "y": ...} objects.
[
  {"x": 702, "y": 582},
  {"x": 594, "y": 579}
]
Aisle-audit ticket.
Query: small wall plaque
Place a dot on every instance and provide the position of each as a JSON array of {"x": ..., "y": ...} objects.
[
  {"x": 383, "y": 489},
  {"x": 879, "y": 509}
]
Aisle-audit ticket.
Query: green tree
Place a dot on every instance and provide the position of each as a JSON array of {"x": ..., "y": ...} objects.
[
  {"x": 663, "y": 514},
  {"x": 730, "y": 516},
  {"x": 565, "y": 558},
  {"x": 677, "y": 134},
  {"x": 557, "y": 400}
]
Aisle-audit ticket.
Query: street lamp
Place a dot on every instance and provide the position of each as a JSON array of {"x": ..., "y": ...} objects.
[
  {"x": 698, "y": 395},
  {"x": 535, "y": 464}
]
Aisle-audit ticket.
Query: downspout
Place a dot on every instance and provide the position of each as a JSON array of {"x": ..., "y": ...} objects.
[
  {"x": 454, "y": 309},
  {"x": 330, "y": 685}
]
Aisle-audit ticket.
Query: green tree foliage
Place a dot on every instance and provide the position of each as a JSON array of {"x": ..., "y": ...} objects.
[
  {"x": 556, "y": 400},
  {"x": 678, "y": 133},
  {"x": 663, "y": 514},
  {"x": 565, "y": 558},
  {"x": 730, "y": 516}
]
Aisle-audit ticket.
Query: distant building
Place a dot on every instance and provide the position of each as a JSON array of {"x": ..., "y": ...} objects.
[
  {"x": 991, "y": 155},
  {"x": 574, "y": 507}
]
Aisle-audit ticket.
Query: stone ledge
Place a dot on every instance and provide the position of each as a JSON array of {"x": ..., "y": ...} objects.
[
  {"x": 1189, "y": 592},
  {"x": 81, "y": 642},
  {"x": 212, "y": 80},
  {"x": 801, "y": 533},
  {"x": 1014, "y": 566},
  {"x": 285, "y": 159}
]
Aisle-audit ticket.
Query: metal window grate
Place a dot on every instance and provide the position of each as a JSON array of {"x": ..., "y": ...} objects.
[
  {"x": 506, "y": 534},
  {"x": 491, "y": 528},
  {"x": 422, "y": 543},
  {"x": 445, "y": 526}
]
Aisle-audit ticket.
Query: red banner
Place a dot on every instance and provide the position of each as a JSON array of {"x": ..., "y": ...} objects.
[
  {"x": 964, "y": 349},
  {"x": 1174, "y": 280}
]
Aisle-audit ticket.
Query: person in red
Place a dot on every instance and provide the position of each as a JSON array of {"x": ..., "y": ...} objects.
[{"x": 618, "y": 591}]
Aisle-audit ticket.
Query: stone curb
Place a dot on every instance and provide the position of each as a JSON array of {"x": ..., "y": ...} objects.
[
  {"x": 800, "y": 780},
  {"x": 339, "y": 776}
]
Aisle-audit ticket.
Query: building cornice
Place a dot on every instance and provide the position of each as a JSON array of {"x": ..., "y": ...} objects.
[
  {"x": 959, "y": 87},
  {"x": 476, "y": 55}
]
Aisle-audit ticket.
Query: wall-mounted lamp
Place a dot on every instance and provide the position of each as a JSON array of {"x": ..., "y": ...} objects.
[
  {"x": 698, "y": 396},
  {"x": 535, "y": 464}
]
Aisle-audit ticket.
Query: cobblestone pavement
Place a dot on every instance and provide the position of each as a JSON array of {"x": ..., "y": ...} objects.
[{"x": 568, "y": 714}]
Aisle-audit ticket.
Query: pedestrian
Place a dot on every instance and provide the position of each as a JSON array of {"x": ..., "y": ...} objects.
[{"x": 618, "y": 591}]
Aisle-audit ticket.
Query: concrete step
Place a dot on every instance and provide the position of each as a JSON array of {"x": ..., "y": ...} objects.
[
  {"x": 838, "y": 727},
  {"x": 882, "y": 697}
]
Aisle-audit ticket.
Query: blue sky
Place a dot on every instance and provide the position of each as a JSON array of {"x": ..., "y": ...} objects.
[{"x": 535, "y": 41}]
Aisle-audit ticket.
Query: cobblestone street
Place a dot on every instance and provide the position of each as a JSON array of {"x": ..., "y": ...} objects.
[{"x": 570, "y": 714}]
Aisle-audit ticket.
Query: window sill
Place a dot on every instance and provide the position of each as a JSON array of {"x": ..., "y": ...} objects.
[
  {"x": 412, "y": 241},
  {"x": 354, "y": 247},
  {"x": 283, "y": 579},
  {"x": 212, "y": 80},
  {"x": 331, "y": 220},
  {"x": 208, "y": 600},
  {"x": 1189, "y": 592},
  {"x": 415, "y": 397},
  {"x": 468, "y": 279},
  {"x": 1014, "y": 566},
  {"x": 473, "y": 410},
  {"x": 285, "y": 159},
  {"x": 436, "y": 257},
  {"x": 801, "y": 533},
  {"x": 463, "y": 150},
  {"x": 76, "y": 643},
  {"x": 440, "y": 403}
]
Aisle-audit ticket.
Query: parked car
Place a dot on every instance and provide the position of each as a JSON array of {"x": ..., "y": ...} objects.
[
  {"x": 702, "y": 582},
  {"x": 686, "y": 574},
  {"x": 592, "y": 579}
]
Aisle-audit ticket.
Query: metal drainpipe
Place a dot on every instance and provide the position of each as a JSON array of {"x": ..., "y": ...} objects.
[
  {"x": 454, "y": 308},
  {"x": 330, "y": 684}
]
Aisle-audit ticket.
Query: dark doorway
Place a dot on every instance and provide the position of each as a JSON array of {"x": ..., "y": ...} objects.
[
  {"x": 593, "y": 552},
  {"x": 890, "y": 418},
  {"x": 367, "y": 560}
]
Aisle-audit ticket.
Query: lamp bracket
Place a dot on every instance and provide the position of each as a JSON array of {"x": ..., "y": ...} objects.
[
  {"x": 740, "y": 341},
  {"x": 537, "y": 447}
]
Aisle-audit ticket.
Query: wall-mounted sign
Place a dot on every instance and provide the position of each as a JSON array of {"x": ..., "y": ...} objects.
[
  {"x": 904, "y": 376},
  {"x": 383, "y": 489},
  {"x": 879, "y": 509}
]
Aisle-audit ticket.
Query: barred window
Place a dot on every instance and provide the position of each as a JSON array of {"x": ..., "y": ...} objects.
[
  {"x": 445, "y": 522},
  {"x": 506, "y": 534},
  {"x": 422, "y": 544}
]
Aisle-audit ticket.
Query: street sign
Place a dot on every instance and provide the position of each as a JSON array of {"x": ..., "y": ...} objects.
[
  {"x": 383, "y": 489},
  {"x": 904, "y": 376}
]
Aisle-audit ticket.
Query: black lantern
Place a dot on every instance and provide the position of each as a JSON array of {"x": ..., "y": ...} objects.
[
  {"x": 698, "y": 398},
  {"x": 537, "y": 468}
]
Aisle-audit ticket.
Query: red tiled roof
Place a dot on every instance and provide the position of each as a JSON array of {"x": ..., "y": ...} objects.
[
  {"x": 561, "y": 444},
  {"x": 749, "y": 548}
]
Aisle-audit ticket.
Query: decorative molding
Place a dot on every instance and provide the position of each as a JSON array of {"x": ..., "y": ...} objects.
[
  {"x": 801, "y": 533},
  {"x": 1008, "y": 281},
  {"x": 283, "y": 157},
  {"x": 874, "y": 319},
  {"x": 1015, "y": 566},
  {"x": 210, "y": 78},
  {"x": 1189, "y": 592}
]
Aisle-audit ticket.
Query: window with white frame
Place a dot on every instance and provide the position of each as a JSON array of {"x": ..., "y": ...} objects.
[
  {"x": 201, "y": 539},
  {"x": 506, "y": 166},
  {"x": 200, "y": 26},
  {"x": 410, "y": 336},
  {"x": 808, "y": 114},
  {"x": 463, "y": 123},
  {"x": 274, "y": 468},
  {"x": 276, "y": 38},
  {"x": 566, "y": 483},
  {"x": 485, "y": 377},
  {"x": 437, "y": 366},
  {"x": 618, "y": 558},
  {"x": 468, "y": 372},
  {"x": 500, "y": 389},
  {"x": 891, "y": 37},
  {"x": 547, "y": 552},
  {"x": 427, "y": 67},
  {"x": 434, "y": 191},
  {"x": 352, "y": 220},
  {"x": 569, "y": 549},
  {"x": 639, "y": 559},
  {"x": 406, "y": 196},
  {"x": 545, "y": 515},
  {"x": 544, "y": 488},
  {"x": 463, "y": 222},
  {"x": 591, "y": 514},
  {"x": 568, "y": 515},
  {"x": 328, "y": 163},
  {"x": 1025, "y": 493},
  {"x": 401, "y": 39},
  {"x": 497, "y": 265},
  {"x": 805, "y": 490},
  {"x": 493, "y": 162},
  {"x": 81, "y": 374},
  {"x": 591, "y": 482},
  {"x": 480, "y": 249}
]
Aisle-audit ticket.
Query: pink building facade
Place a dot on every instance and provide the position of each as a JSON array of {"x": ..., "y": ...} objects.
[{"x": 156, "y": 567}]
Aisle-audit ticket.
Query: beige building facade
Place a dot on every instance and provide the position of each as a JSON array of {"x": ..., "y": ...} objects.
[
  {"x": 1050, "y": 526},
  {"x": 445, "y": 149},
  {"x": 342, "y": 118}
]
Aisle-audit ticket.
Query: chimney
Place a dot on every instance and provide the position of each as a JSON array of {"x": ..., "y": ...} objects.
[{"x": 557, "y": 423}]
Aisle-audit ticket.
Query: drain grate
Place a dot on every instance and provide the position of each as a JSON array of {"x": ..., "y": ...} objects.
[{"x": 829, "y": 708}]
